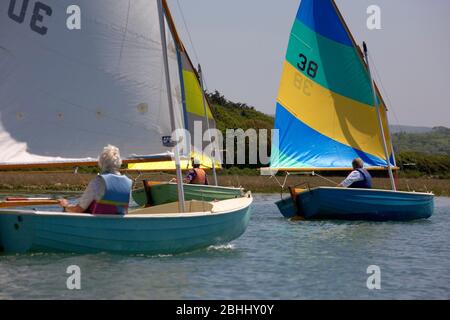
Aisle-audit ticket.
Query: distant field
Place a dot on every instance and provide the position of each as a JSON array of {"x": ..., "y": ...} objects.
[{"x": 47, "y": 182}]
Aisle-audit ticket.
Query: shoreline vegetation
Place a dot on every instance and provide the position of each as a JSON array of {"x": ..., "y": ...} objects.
[
  {"x": 67, "y": 182},
  {"x": 422, "y": 154}
]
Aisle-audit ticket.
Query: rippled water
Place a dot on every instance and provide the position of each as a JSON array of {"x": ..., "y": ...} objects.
[{"x": 274, "y": 259}]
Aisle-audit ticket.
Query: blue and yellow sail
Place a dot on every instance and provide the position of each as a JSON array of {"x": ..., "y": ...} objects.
[{"x": 325, "y": 113}]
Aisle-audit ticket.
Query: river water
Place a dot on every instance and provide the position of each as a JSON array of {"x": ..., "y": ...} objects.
[{"x": 274, "y": 259}]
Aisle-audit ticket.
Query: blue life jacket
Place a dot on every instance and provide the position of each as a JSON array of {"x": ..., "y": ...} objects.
[
  {"x": 116, "y": 197},
  {"x": 363, "y": 184}
]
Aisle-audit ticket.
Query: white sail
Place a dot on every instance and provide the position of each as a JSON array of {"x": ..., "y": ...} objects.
[{"x": 64, "y": 94}]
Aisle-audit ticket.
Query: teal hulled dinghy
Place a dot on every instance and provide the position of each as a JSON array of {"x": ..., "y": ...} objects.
[
  {"x": 125, "y": 88},
  {"x": 330, "y": 112},
  {"x": 155, "y": 230}
]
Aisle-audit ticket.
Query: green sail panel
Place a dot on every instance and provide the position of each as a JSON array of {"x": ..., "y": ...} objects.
[{"x": 335, "y": 62}]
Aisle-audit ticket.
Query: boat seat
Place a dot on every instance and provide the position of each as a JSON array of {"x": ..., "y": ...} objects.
[
  {"x": 295, "y": 192},
  {"x": 191, "y": 206}
]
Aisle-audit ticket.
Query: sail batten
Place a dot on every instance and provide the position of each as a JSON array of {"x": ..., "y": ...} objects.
[{"x": 325, "y": 108}]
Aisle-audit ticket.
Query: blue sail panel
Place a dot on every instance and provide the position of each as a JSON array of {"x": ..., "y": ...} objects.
[
  {"x": 302, "y": 147},
  {"x": 321, "y": 17}
]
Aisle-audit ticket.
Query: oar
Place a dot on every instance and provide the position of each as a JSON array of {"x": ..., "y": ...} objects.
[
  {"x": 26, "y": 199},
  {"x": 27, "y": 203}
]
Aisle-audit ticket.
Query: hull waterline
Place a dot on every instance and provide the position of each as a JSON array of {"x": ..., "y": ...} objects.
[{"x": 358, "y": 204}]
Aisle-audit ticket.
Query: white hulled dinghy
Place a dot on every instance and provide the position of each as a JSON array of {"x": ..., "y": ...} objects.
[{"x": 65, "y": 93}]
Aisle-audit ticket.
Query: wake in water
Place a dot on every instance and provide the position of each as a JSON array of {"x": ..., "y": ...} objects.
[{"x": 223, "y": 247}]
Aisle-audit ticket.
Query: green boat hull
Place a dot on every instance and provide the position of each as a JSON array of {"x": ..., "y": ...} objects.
[{"x": 167, "y": 192}]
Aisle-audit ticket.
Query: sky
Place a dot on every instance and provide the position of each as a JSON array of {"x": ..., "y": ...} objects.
[{"x": 241, "y": 45}]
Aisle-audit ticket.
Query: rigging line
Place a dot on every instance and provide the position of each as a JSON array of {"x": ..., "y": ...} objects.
[
  {"x": 385, "y": 93},
  {"x": 191, "y": 42},
  {"x": 326, "y": 179},
  {"x": 282, "y": 186},
  {"x": 274, "y": 177},
  {"x": 188, "y": 32}
]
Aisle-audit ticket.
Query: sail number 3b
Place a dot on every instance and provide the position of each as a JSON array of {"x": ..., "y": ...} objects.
[{"x": 18, "y": 9}]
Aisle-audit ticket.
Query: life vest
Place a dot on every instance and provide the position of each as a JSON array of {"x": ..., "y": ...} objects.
[
  {"x": 116, "y": 197},
  {"x": 200, "y": 177},
  {"x": 363, "y": 184}
]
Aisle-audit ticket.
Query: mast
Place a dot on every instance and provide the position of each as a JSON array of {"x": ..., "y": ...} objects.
[
  {"x": 181, "y": 203},
  {"x": 392, "y": 149},
  {"x": 380, "y": 122},
  {"x": 200, "y": 74},
  {"x": 364, "y": 57}
]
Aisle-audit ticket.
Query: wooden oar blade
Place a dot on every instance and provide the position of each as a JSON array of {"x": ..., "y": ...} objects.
[
  {"x": 27, "y": 203},
  {"x": 26, "y": 199}
]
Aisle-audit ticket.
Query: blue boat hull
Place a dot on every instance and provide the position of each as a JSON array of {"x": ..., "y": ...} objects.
[
  {"x": 27, "y": 231},
  {"x": 358, "y": 204}
]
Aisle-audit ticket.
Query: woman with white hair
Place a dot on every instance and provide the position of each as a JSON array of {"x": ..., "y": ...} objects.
[{"x": 109, "y": 192}]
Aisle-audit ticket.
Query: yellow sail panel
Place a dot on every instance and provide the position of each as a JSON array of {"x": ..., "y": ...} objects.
[
  {"x": 342, "y": 119},
  {"x": 194, "y": 96},
  {"x": 195, "y": 106},
  {"x": 205, "y": 163}
]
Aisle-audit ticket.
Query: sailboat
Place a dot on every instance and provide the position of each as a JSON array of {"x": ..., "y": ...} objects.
[
  {"x": 329, "y": 112},
  {"x": 66, "y": 92},
  {"x": 197, "y": 111}
]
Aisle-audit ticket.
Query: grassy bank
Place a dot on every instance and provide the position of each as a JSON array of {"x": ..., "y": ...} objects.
[
  {"x": 440, "y": 187},
  {"x": 48, "y": 182}
]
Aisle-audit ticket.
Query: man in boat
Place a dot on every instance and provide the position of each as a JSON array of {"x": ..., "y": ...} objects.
[
  {"x": 109, "y": 192},
  {"x": 197, "y": 175},
  {"x": 359, "y": 177}
]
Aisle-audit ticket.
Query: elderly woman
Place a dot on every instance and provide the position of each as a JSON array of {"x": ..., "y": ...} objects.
[{"x": 109, "y": 192}]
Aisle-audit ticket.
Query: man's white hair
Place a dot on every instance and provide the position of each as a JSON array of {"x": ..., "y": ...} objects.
[{"x": 109, "y": 160}]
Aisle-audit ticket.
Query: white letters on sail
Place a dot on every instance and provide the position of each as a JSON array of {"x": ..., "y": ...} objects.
[{"x": 65, "y": 94}]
